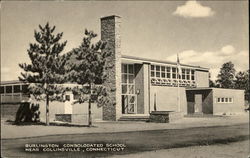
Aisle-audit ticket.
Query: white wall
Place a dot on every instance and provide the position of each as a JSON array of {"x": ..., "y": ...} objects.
[{"x": 166, "y": 98}]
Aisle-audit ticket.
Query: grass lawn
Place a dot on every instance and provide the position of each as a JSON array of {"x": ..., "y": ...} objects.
[{"x": 136, "y": 141}]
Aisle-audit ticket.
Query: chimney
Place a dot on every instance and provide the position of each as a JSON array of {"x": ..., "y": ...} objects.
[{"x": 110, "y": 33}]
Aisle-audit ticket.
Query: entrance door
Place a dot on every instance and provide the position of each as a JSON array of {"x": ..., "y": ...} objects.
[
  {"x": 128, "y": 89},
  {"x": 128, "y": 104},
  {"x": 198, "y": 103}
]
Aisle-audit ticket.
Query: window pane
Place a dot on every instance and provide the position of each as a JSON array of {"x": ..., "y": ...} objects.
[
  {"x": 131, "y": 78},
  {"x": 173, "y": 69},
  {"x": 218, "y": 100},
  {"x": 174, "y": 75},
  {"x": 125, "y": 68},
  {"x": 230, "y": 100},
  {"x": 24, "y": 88},
  {"x": 168, "y": 69},
  {"x": 163, "y": 75},
  {"x": 168, "y": 75},
  {"x": 131, "y": 99},
  {"x": 188, "y": 77},
  {"x": 157, "y": 68},
  {"x": 124, "y": 89},
  {"x": 192, "y": 77},
  {"x": 152, "y": 74},
  {"x": 2, "y": 89},
  {"x": 192, "y": 72},
  {"x": 226, "y": 100},
  {"x": 131, "y": 89},
  {"x": 124, "y": 78},
  {"x": 8, "y": 89},
  {"x": 17, "y": 89},
  {"x": 131, "y": 69},
  {"x": 222, "y": 100},
  {"x": 162, "y": 68},
  {"x": 157, "y": 74},
  {"x": 152, "y": 67},
  {"x": 183, "y": 76}
]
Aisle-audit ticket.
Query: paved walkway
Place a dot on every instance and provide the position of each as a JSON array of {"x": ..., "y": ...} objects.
[{"x": 12, "y": 131}]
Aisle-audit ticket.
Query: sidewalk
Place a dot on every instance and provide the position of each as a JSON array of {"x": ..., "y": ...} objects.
[{"x": 12, "y": 131}]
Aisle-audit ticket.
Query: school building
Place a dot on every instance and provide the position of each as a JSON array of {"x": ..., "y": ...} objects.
[{"x": 142, "y": 85}]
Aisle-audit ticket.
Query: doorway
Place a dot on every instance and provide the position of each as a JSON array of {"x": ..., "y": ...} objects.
[{"x": 198, "y": 103}]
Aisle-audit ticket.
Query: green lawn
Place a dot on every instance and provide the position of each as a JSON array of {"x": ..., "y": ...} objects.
[{"x": 135, "y": 141}]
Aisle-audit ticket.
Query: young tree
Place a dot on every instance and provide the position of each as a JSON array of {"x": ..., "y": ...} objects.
[
  {"x": 226, "y": 76},
  {"x": 242, "y": 82},
  {"x": 47, "y": 66},
  {"x": 87, "y": 68}
]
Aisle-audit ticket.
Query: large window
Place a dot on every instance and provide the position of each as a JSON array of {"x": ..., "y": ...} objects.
[
  {"x": 167, "y": 75},
  {"x": 128, "y": 88}
]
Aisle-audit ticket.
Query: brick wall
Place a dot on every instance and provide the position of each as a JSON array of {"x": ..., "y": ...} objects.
[{"x": 110, "y": 32}]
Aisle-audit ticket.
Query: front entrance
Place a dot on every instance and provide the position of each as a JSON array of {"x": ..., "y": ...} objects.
[
  {"x": 128, "y": 89},
  {"x": 198, "y": 103}
]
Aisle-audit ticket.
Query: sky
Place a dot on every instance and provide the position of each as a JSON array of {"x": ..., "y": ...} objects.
[{"x": 203, "y": 33}]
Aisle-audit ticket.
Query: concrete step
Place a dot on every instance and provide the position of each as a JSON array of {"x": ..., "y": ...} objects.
[
  {"x": 202, "y": 115},
  {"x": 134, "y": 118}
]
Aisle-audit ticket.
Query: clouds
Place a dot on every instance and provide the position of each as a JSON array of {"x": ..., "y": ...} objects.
[
  {"x": 193, "y": 9},
  {"x": 214, "y": 59},
  {"x": 227, "y": 50}
]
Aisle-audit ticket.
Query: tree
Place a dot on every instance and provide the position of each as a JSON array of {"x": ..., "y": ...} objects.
[
  {"x": 226, "y": 76},
  {"x": 242, "y": 82},
  {"x": 211, "y": 82},
  {"x": 46, "y": 70},
  {"x": 87, "y": 68}
]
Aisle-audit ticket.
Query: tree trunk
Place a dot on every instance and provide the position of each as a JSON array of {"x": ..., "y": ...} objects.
[
  {"x": 90, "y": 115},
  {"x": 47, "y": 110}
]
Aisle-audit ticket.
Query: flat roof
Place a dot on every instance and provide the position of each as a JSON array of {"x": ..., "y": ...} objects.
[
  {"x": 208, "y": 88},
  {"x": 200, "y": 88},
  {"x": 11, "y": 82},
  {"x": 160, "y": 61}
]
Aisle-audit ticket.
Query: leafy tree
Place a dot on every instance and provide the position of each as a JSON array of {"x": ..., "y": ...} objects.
[
  {"x": 46, "y": 69},
  {"x": 242, "y": 82},
  {"x": 226, "y": 76},
  {"x": 87, "y": 68},
  {"x": 211, "y": 82}
]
